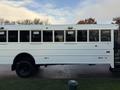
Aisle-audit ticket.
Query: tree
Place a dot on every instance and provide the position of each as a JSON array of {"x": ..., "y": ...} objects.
[
  {"x": 116, "y": 20},
  {"x": 88, "y": 21},
  {"x": 1, "y": 20},
  {"x": 37, "y": 21},
  {"x": 7, "y": 22},
  {"x": 25, "y": 21}
]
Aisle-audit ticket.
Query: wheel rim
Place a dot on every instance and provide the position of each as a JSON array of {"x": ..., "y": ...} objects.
[{"x": 24, "y": 69}]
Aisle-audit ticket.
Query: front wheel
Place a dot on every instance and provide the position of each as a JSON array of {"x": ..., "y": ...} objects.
[{"x": 25, "y": 69}]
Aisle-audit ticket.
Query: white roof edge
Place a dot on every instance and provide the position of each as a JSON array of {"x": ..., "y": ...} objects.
[{"x": 59, "y": 27}]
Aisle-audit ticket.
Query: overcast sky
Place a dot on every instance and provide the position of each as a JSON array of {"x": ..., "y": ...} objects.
[{"x": 60, "y": 11}]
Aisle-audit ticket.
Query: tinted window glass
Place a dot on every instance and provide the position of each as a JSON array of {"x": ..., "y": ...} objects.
[
  {"x": 36, "y": 36},
  {"x": 70, "y": 36},
  {"x": 94, "y": 35},
  {"x": 47, "y": 36},
  {"x": 81, "y": 35},
  {"x": 12, "y": 36},
  {"x": 2, "y": 36},
  {"x": 59, "y": 36},
  {"x": 105, "y": 35},
  {"x": 24, "y": 36}
]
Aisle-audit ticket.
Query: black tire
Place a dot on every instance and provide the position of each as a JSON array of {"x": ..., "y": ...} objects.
[
  {"x": 25, "y": 69},
  {"x": 111, "y": 69}
]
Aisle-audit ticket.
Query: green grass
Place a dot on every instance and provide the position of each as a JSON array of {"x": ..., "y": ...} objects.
[{"x": 41, "y": 84}]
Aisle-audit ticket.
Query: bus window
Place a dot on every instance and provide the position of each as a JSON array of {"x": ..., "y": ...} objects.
[
  {"x": 93, "y": 35},
  {"x": 2, "y": 36},
  {"x": 70, "y": 36},
  {"x": 105, "y": 35},
  {"x": 24, "y": 36},
  {"x": 12, "y": 36},
  {"x": 59, "y": 36},
  {"x": 82, "y": 35},
  {"x": 36, "y": 36},
  {"x": 47, "y": 36}
]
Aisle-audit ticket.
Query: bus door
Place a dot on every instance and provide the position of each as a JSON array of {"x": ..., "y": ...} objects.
[{"x": 117, "y": 48}]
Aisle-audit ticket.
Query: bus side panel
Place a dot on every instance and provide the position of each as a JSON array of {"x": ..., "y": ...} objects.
[{"x": 60, "y": 53}]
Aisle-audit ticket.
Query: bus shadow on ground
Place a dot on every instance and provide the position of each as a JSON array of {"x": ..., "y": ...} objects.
[
  {"x": 76, "y": 71},
  {"x": 65, "y": 72}
]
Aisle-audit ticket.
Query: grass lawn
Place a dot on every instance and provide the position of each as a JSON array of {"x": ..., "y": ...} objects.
[{"x": 48, "y": 84}]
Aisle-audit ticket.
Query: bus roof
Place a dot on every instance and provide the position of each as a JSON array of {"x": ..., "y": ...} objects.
[{"x": 60, "y": 27}]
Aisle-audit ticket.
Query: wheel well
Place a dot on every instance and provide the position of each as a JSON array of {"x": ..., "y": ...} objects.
[{"x": 23, "y": 56}]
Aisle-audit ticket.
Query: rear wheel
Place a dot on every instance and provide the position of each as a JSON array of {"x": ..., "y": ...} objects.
[
  {"x": 25, "y": 69},
  {"x": 111, "y": 69},
  {"x": 115, "y": 70}
]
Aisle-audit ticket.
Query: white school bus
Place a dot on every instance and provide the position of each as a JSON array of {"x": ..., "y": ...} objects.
[{"x": 26, "y": 47}]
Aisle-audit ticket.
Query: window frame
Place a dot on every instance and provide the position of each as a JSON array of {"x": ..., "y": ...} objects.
[
  {"x": 65, "y": 36},
  {"x": 98, "y": 35},
  {"x": 106, "y": 30},
  {"x": 40, "y": 36},
  {"x": 8, "y": 36},
  {"x": 86, "y": 36},
  {"x": 28, "y": 36},
  {"x": 43, "y": 37}
]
